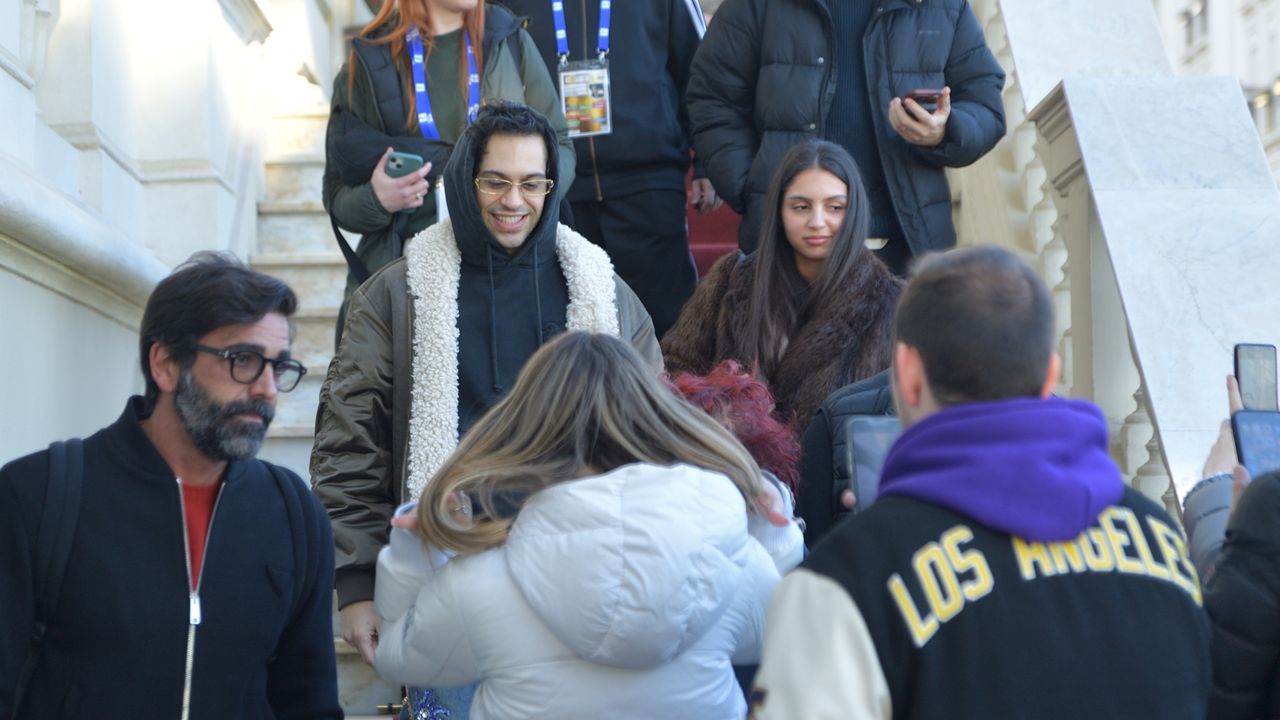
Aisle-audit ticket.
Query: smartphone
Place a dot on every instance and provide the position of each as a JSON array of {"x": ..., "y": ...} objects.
[
  {"x": 873, "y": 435},
  {"x": 400, "y": 164},
  {"x": 1256, "y": 374},
  {"x": 1257, "y": 435},
  {"x": 927, "y": 98}
]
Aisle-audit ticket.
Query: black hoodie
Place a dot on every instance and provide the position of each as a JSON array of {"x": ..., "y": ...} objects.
[{"x": 507, "y": 305}]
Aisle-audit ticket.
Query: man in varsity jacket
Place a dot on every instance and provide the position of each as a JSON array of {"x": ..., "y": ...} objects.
[{"x": 1005, "y": 570}]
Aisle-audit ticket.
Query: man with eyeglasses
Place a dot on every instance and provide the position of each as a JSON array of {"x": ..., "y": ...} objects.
[
  {"x": 436, "y": 338},
  {"x": 196, "y": 579}
]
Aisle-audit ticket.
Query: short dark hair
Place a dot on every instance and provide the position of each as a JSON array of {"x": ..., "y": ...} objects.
[
  {"x": 209, "y": 291},
  {"x": 982, "y": 322},
  {"x": 509, "y": 118}
]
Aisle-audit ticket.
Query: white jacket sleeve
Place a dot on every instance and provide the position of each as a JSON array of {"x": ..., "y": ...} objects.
[
  {"x": 760, "y": 578},
  {"x": 819, "y": 661},
  {"x": 785, "y": 544},
  {"x": 423, "y": 637}
]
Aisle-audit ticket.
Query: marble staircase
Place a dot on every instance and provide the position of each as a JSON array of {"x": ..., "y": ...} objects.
[{"x": 296, "y": 244}]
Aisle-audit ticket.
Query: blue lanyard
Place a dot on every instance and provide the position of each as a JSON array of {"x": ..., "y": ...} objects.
[
  {"x": 562, "y": 36},
  {"x": 426, "y": 120}
]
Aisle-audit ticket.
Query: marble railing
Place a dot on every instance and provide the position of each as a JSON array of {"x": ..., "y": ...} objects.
[{"x": 1152, "y": 240}]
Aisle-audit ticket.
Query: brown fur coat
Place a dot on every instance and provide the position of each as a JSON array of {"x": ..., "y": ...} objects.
[{"x": 848, "y": 337}]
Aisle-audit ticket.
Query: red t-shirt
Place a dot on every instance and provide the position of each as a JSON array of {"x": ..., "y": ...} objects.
[{"x": 197, "y": 501}]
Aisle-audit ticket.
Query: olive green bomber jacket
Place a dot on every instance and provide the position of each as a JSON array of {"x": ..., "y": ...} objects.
[{"x": 359, "y": 466}]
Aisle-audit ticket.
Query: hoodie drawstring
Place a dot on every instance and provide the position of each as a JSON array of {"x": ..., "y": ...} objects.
[
  {"x": 537, "y": 296},
  {"x": 493, "y": 327}
]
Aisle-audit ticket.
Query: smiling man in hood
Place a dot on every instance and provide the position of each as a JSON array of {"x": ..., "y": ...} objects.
[
  {"x": 437, "y": 337},
  {"x": 1005, "y": 570}
]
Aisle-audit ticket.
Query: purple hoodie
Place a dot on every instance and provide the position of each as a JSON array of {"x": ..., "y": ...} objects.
[{"x": 1034, "y": 468}]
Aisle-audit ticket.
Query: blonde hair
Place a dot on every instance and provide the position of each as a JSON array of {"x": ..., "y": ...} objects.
[{"x": 584, "y": 404}]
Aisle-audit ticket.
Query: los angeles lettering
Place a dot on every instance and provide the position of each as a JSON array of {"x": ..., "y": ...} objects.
[
  {"x": 951, "y": 575},
  {"x": 1116, "y": 544}
]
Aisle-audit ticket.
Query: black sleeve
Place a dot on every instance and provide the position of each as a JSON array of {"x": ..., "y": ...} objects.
[
  {"x": 302, "y": 681},
  {"x": 720, "y": 100},
  {"x": 1243, "y": 602},
  {"x": 17, "y": 611},
  {"x": 815, "y": 501}
]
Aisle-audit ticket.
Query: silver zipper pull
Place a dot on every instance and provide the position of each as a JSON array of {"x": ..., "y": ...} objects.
[{"x": 195, "y": 609}]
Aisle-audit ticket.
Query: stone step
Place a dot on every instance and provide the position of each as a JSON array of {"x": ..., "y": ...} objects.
[
  {"x": 286, "y": 229},
  {"x": 298, "y": 134},
  {"x": 295, "y": 179},
  {"x": 360, "y": 690},
  {"x": 313, "y": 337},
  {"x": 317, "y": 278},
  {"x": 298, "y": 408}
]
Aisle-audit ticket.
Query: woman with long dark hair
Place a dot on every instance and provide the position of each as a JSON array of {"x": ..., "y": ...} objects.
[
  {"x": 811, "y": 309},
  {"x": 603, "y": 565},
  {"x": 415, "y": 76}
]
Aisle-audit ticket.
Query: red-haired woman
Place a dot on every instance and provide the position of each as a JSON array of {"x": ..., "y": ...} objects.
[
  {"x": 743, "y": 405},
  {"x": 414, "y": 77}
]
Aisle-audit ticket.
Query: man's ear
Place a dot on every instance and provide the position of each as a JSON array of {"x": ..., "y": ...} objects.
[
  {"x": 1051, "y": 375},
  {"x": 908, "y": 374},
  {"x": 164, "y": 368}
]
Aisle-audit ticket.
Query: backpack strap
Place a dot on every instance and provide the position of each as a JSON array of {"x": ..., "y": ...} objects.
[
  {"x": 53, "y": 547},
  {"x": 299, "y": 525}
]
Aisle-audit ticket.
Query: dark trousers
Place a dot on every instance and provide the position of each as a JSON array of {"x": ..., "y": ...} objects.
[
  {"x": 896, "y": 255},
  {"x": 647, "y": 238}
]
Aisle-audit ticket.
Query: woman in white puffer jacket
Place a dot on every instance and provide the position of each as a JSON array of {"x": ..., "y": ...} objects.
[{"x": 608, "y": 570}]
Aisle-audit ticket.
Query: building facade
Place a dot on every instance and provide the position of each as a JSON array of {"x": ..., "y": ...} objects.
[{"x": 1229, "y": 37}]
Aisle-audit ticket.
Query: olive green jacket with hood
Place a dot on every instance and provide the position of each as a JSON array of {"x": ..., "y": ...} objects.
[{"x": 436, "y": 338}]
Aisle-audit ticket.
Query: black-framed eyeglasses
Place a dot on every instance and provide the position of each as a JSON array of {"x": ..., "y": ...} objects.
[
  {"x": 534, "y": 187},
  {"x": 247, "y": 367}
]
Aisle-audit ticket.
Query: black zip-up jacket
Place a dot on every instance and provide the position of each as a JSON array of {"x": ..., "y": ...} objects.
[
  {"x": 117, "y": 643},
  {"x": 651, "y": 47},
  {"x": 763, "y": 80}
]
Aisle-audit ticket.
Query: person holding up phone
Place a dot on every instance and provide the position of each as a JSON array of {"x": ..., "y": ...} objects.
[
  {"x": 1241, "y": 566},
  {"x": 840, "y": 72},
  {"x": 414, "y": 78}
]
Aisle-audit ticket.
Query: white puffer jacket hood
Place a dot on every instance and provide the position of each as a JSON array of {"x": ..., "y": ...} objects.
[{"x": 631, "y": 567}]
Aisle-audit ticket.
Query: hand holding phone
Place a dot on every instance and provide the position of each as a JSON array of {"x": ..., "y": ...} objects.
[
  {"x": 400, "y": 181},
  {"x": 920, "y": 117}
]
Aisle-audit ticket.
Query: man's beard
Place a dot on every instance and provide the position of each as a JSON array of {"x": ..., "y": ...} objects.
[{"x": 213, "y": 427}]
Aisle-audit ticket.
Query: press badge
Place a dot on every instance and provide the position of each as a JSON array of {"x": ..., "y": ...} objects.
[{"x": 584, "y": 89}]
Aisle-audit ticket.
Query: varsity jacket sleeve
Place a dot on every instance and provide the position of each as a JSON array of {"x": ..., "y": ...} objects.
[
  {"x": 351, "y": 461},
  {"x": 540, "y": 93},
  {"x": 976, "y": 80},
  {"x": 721, "y": 99},
  {"x": 819, "y": 661},
  {"x": 690, "y": 344},
  {"x": 302, "y": 678},
  {"x": 685, "y": 31},
  {"x": 1243, "y": 602}
]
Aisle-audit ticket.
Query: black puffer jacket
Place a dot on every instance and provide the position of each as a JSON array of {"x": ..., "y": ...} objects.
[
  {"x": 764, "y": 79},
  {"x": 826, "y": 460},
  {"x": 651, "y": 47},
  {"x": 1243, "y": 600}
]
